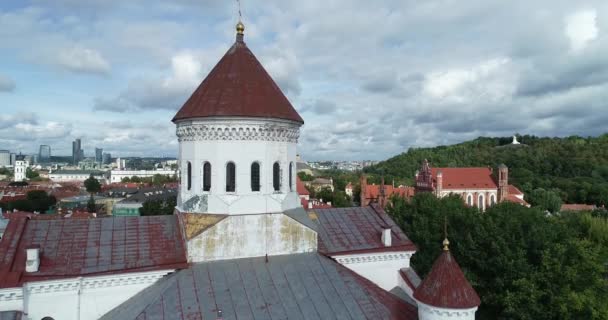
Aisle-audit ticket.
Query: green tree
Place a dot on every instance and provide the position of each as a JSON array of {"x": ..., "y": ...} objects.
[
  {"x": 305, "y": 176},
  {"x": 158, "y": 207},
  {"x": 93, "y": 186},
  {"x": 31, "y": 174},
  {"x": 545, "y": 200},
  {"x": 522, "y": 263}
]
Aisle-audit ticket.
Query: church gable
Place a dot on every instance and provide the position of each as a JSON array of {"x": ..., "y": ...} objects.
[{"x": 240, "y": 236}]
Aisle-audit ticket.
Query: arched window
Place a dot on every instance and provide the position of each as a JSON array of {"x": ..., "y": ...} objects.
[
  {"x": 230, "y": 177},
  {"x": 189, "y": 175},
  {"x": 276, "y": 176},
  {"x": 470, "y": 200},
  {"x": 255, "y": 176},
  {"x": 481, "y": 204},
  {"x": 207, "y": 176},
  {"x": 492, "y": 199},
  {"x": 291, "y": 176}
]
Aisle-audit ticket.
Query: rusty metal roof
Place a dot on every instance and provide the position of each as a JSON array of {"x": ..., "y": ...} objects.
[
  {"x": 80, "y": 247},
  {"x": 238, "y": 86},
  {"x": 298, "y": 286},
  {"x": 357, "y": 230},
  {"x": 446, "y": 286}
]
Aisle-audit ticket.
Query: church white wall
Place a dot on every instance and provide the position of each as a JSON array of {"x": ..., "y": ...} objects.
[
  {"x": 77, "y": 298},
  {"x": 242, "y": 236},
  {"x": 242, "y": 141},
  {"x": 380, "y": 268},
  {"x": 427, "y": 312}
]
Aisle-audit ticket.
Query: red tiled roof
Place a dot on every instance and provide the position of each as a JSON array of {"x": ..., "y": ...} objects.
[
  {"x": 357, "y": 230},
  {"x": 514, "y": 191},
  {"x": 238, "y": 86},
  {"x": 578, "y": 207},
  {"x": 465, "y": 178},
  {"x": 301, "y": 188},
  {"x": 78, "y": 247},
  {"x": 514, "y": 199},
  {"x": 372, "y": 191},
  {"x": 446, "y": 286}
]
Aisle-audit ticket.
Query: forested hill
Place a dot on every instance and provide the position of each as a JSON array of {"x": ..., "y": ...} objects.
[{"x": 575, "y": 168}]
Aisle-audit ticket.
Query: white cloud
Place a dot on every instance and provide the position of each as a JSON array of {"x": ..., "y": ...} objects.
[
  {"x": 581, "y": 28},
  {"x": 166, "y": 92},
  {"x": 80, "y": 59},
  {"x": 489, "y": 80}
]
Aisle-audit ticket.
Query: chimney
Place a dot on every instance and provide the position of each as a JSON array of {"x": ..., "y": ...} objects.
[
  {"x": 33, "y": 258},
  {"x": 309, "y": 204},
  {"x": 386, "y": 237}
]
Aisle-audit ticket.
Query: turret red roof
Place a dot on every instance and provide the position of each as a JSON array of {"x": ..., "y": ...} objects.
[
  {"x": 446, "y": 286},
  {"x": 238, "y": 86}
]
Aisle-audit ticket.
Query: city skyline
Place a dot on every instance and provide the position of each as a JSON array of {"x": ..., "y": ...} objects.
[{"x": 408, "y": 75}]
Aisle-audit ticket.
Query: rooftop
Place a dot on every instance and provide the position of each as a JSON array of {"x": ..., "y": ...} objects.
[
  {"x": 298, "y": 286},
  {"x": 71, "y": 248},
  {"x": 466, "y": 178},
  {"x": 357, "y": 229},
  {"x": 238, "y": 86},
  {"x": 446, "y": 286}
]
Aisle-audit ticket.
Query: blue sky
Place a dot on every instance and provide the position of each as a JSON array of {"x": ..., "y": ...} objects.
[{"x": 370, "y": 79}]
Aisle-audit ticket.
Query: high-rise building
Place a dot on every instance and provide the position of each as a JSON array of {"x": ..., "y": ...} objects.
[
  {"x": 77, "y": 152},
  {"x": 5, "y": 158},
  {"x": 98, "y": 155},
  {"x": 44, "y": 155},
  {"x": 107, "y": 158},
  {"x": 13, "y": 158}
]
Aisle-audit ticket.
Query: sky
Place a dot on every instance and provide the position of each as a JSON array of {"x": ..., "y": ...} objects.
[{"x": 370, "y": 78}]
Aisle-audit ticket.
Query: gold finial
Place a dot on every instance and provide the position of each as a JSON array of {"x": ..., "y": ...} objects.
[
  {"x": 240, "y": 28},
  {"x": 446, "y": 244}
]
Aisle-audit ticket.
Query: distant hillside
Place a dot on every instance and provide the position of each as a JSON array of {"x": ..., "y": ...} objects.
[{"x": 576, "y": 168}]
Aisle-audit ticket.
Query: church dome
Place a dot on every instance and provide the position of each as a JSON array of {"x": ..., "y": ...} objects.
[{"x": 238, "y": 86}]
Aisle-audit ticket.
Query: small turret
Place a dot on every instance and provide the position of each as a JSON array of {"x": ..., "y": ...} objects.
[{"x": 445, "y": 293}]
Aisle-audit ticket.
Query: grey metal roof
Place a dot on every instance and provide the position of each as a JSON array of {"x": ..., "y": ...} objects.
[
  {"x": 299, "y": 286},
  {"x": 300, "y": 215},
  {"x": 11, "y": 315},
  {"x": 357, "y": 229}
]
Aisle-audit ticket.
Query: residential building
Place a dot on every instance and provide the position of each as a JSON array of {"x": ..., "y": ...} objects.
[
  {"x": 75, "y": 175},
  {"x": 118, "y": 175},
  {"x": 382, "y": 193},
  {"x": 130, "y": 206}
]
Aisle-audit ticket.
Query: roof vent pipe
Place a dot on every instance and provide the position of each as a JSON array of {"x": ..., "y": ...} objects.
[
  {"x": 386, "y": 237},
  {"x": 33, "y": 259}
]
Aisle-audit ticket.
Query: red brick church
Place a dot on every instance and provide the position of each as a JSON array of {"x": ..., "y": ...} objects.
[{"x": 479, "y": 187}]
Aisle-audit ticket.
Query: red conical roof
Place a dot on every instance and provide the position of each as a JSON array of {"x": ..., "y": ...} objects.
[
  {"x": 238, "y": 86},
  {"x": 446, "y": 286}
]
